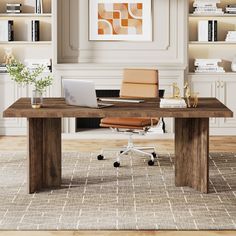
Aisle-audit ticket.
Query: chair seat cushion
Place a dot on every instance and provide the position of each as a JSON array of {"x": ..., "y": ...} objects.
[{"x": 129, "y": 123}]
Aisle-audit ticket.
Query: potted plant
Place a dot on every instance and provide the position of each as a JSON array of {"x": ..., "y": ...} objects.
[{"x": 24, "y": 76}]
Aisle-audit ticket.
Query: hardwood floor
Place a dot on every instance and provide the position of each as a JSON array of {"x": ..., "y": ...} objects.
[
  {"x": 117, "y": 233},
  {"x": 217, "y": 144}
]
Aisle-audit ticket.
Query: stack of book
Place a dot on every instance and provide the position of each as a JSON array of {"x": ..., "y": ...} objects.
[
  {"x": 208, "y": 65},
  {"x": 3, "y": 68},
  {"x": 231, "y": 36},
  {"x": 13, "y": 8},
  {"x": 172, "y": 103},
  {"x": 208, "y": 7},
  {"x": 230, "y": 9},
  {"x": 207, "y": 30}
]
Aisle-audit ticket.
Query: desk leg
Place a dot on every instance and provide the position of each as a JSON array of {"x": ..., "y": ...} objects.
[
  {"x": 44, "y": 153},
  {"x": 192, "y": 153}
]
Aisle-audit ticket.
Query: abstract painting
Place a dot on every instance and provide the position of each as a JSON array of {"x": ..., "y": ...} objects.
[{"x": 129, "y": 20}]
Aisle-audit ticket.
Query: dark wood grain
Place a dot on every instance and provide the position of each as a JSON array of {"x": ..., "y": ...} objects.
[
  {"x": 192, "y": 153},
  {"x": 56, "y": 107},
  {"x": 35, "y": 154},
  {"x": 191, "y": 140},
  {"x": 52, "y": 153},
  {"x": 44, "y": 153}
]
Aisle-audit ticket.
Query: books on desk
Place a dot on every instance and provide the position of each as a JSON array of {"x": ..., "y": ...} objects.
[{"x": 172, "y": 103}]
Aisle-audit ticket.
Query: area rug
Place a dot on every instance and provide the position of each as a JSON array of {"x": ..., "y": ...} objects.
[{"x": 96, "y": 196}]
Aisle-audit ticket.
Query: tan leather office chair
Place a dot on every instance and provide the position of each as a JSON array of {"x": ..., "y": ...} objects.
[{"x": 137, "y": 83}]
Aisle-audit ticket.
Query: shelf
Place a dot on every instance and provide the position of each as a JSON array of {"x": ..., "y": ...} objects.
[
  {"x": 211, "y": 43},
  {"x": 23, "y": 15},
  {"x": 212, "y": 73},
  {"x": 212, "y": 15},
  {"x": 27, "y": 42}
]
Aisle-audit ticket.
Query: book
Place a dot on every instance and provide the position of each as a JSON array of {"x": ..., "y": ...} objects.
[
  {"x": 203, "y": 31},
  {"x": 172, "y": 103},
  {"x": 35, "y": 30},
  {"x": 207, "y": 30},
  {"x": 6, "y": 30}
]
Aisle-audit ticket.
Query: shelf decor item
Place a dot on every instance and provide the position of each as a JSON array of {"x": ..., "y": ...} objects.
[
  {"x": 39, "y": 6},
  {"x": 24, "y": 76},
  {"x": 233, "y": 64},
  {"x": 117, "y": 20}
]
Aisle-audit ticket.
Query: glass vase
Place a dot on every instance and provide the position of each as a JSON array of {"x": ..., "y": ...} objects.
[{"x": 36, "y": 99}]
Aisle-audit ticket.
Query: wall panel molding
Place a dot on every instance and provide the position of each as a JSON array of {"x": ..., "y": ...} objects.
[{"x": 166, "y": 46}]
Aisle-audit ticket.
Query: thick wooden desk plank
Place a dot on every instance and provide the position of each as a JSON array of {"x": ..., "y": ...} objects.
[
  {"x": 191, "y": 136},
  {"x": 56, "y": 107}
]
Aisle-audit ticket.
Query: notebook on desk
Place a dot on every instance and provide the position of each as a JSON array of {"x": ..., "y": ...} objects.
[{"x": 82, "y": 93}]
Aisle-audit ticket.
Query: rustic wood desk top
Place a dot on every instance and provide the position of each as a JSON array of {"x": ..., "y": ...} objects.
[{"x": 56, "y": 108}]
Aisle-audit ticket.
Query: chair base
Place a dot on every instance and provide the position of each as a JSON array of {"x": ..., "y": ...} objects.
[{"x": 130, "y": 148}]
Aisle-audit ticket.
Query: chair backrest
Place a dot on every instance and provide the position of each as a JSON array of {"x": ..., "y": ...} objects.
[{"x": 140, "y": 83}]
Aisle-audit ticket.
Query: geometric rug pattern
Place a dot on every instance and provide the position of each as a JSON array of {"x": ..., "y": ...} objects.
[{"x": 96, "y": 196}]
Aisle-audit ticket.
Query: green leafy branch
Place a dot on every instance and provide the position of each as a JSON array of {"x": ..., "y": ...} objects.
[{"x": 23, "y": 76}]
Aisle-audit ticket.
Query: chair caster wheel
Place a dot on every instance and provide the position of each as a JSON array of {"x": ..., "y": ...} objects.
[
  {"x": 154, "y": 155},
  {"x": 121, "y": 152},
  {"x": 151, "y": 163},
  {"x": 100, "y": 157},
  {"x": 116, "y": 164}
]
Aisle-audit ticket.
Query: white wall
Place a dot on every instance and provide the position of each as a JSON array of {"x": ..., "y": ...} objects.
[
  {"x": 103, "y": 62},
  {"x": 168, "y": 45}
]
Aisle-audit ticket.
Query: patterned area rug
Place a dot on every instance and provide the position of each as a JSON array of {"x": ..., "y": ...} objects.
[{"x": 95, "y": 195}]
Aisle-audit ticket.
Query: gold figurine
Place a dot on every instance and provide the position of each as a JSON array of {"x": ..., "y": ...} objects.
[
  {"x": 8, "y": 58},
  {"x": 192, "y": 98},
  {"x": 176, "y": 91},
  {"x": 187, "y": 94}
]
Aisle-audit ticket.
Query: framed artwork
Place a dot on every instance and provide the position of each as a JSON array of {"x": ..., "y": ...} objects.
[{"x": 120, "y": 20}]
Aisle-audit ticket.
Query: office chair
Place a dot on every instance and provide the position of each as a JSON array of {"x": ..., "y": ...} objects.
[{"x": 137, "y": 83}]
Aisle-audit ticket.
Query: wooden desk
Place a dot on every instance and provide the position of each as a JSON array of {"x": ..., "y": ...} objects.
[{"x": 191, "y": 136}]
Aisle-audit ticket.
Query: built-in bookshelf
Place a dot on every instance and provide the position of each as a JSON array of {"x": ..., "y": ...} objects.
[
  {"x": 222, "y": 49},
  {"x": 23, "y": 47},
  {"x": 221, "y": 85}
]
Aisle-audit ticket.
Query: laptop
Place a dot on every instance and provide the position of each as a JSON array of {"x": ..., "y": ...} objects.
[{"x": 81, "y": 93}]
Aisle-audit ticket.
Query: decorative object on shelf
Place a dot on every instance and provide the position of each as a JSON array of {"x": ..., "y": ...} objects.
[
  {"x": 208, "y": 7},
  {"x": 8, "y": 58},
  {"x": 208, "y": 65},
  {"x": 13, "y": 8},
  {"x": 233, "y": 64},
  {"x": 39, "y": 6},
  {"x": 128, "y": 20},
  {"x": 176, "y": 91},
  {"x": 23, "y": 76}
]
